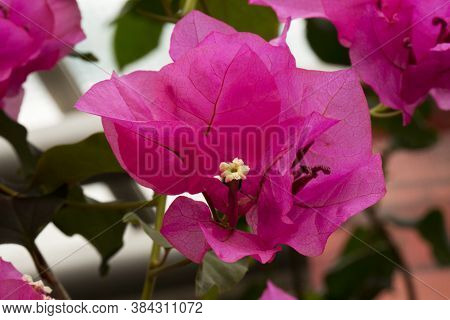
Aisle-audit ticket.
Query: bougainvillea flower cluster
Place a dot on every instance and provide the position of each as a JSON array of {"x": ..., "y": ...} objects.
[
  {"x": 294, "y": 144},
  {"x": 34, "y": 35},
  {"x": 401, "y": 48},
  {"x": 15, "y": 286}
]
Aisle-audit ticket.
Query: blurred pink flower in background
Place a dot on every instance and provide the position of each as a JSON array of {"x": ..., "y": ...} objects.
[
  {"x": 401, "y": 48},
  {"x": 35, "y": 36},
  {"x": 272, "y": 292},
  {"x": 15, "y": 286}
]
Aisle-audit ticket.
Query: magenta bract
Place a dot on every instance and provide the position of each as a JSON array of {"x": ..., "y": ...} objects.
[
  {"x": 35, "y": 36},
  {"x": 14, "y": 286},
  {"x": 305, "y": 137}
]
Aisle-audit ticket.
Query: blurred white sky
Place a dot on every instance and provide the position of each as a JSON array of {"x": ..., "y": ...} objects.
[{"x": 44, "y": 120}]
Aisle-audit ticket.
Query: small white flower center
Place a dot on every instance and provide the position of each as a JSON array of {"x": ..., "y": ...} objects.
[
  {"x": 235, "y": 170},
  {"x": 38, "y": 285}
]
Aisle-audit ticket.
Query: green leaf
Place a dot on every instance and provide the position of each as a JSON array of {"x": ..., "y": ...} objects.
[
  {"x": 255, "y": 288},
  {"x": 137, "y": 34},
  {"x": 99, "y": 223},
  {"x": 418, "y": 134},
  {"x": 155, "y": 235},
  {"x": 212, "y": 294},
  {"x": 323, "y": 39},
  {"x": 16, "y": 135},
  {"x": 23, "y": 218},
  {"x": 361, "y": 272},
  {"x": 74, "y": 163},
  {"x": 432, "y": 229},
  {"x": 244, "y": 17},
  {"x": 215, "y": 276}
]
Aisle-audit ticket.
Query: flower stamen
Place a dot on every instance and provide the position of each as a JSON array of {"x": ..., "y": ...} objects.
[
  {"x": 235, "y": 170},
  {"x": 444, "y": 34}
]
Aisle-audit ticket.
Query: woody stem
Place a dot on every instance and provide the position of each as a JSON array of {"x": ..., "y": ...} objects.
[{"x": 47, "y": 274}]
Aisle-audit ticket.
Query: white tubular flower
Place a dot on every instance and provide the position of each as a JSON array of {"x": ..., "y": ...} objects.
[{"x": 235, "y": 170}]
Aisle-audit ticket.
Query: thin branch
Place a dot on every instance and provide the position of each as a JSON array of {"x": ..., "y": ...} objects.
[
  {"x": 155, "y": 262},
  {"x": 132, "y": 205},
  {"x": 382, "y": 111},
  {"x": 182, "y": 263},
  {"x": 47, "y": 274},
  {"x": 386, "y": 114},
  {"x": 7, "y": 190},
  {"x": 164, "y": 257}
]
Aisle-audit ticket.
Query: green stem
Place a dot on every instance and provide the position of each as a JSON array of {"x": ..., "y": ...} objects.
[
  {"x": 189, "y": 5},
  {"x": 176, "y": 265},
  {"x": 387, "y": 114},
  {"x": 7, "y": 190},
  {"x": 164, "y": 257},
  {"x": 154, "y": 262},
  {"x": 131, "y": 205},
  {"x": 382, "y": 111},
  {"x": 379, "y": 108}
]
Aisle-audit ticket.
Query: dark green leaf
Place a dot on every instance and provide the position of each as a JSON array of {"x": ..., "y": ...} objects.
[
  {"x": 323, "y": 38},
  {"x": 361, "y": 272},
  {"x": 432, "y": 229},
  {"x": 254, "y": 289},
  {"x": 416, "y": 135},
  {"x": 99, "y": 223},
  {"x": 73, "y": 163},
  {"x": 22, "y": 219},
  {"x": 216, "y": 276},
  {"x": 243, "y": 17},
  {"x": 138, "y": 30},
  {"x": 155, "y": 235},
  {"x": 16, "y": 135}
]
